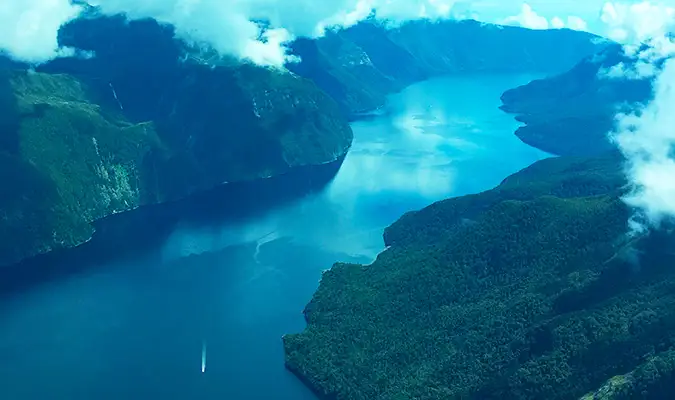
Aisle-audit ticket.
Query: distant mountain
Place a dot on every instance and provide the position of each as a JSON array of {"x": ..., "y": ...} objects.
[
  {"x": 150, "y": 119},
  {"x": 532, "y": 290},
  {"x": 361, "y": 65},
  {"x": 572, "y": 113},
  {"x": 81, "y": 139}
]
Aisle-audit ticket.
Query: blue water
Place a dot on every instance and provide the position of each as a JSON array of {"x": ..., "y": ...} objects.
[{"x": 137, "y": 330}]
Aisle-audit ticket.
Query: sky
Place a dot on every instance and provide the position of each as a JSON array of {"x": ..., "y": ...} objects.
[
  {"x": 28, "y": 32},
  {"x": 28, "y": 28}
]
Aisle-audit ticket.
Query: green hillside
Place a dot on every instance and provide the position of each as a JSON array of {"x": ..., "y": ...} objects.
[
  {"x": 532, "y": 290},
  {"x": 361, "y": 65},
  {"x": 572, "y": 113},
  {"x": 70, "y": 157}
]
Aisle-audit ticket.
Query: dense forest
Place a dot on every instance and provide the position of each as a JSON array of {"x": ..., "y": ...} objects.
[
  {"x": 354, "y": 66},
  {"x": 82, "y": 139},
  {"x": 150, "y": 119},
  {"x": 532, "y": 290},
  {"x": 571, "y": 113}
]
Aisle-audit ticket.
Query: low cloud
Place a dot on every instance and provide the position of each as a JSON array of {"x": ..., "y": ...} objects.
[
  {"x": 28, "y": 28},
  {"x": 633, "y": 23},
  {"x": 647, "y": 140},
  {"x": 646, "y": 137},
  {"x": 528, "y": 18}
]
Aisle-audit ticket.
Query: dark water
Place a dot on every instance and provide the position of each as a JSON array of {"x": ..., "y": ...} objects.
[{"x": 138, "y": 329}]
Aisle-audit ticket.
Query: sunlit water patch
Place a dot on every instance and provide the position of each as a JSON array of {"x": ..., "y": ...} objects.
[{"x": 176, "y": 326}]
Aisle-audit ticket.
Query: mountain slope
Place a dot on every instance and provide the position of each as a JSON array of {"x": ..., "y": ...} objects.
[
  {"x": 572, "y": 113},
  {"x": 526, "y": 291},
  {"x": 138, "y": 125},
  {"x": 65, "y": 163},
  {"x": 361, "y": 65},
  {"x": 148, "y": 120}
]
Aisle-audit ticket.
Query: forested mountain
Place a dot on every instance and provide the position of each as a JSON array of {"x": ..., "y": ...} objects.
[
  {"x": 361, "y": 65},
  {"x": 139, "y": 124},
  {"x": 572, "y": 113},
  {"x": 148, "y": 119},
  {"x": 532, "y": 290}
]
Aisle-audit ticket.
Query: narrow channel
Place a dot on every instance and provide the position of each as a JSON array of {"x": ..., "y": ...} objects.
[{"x": 202, "y": 316}]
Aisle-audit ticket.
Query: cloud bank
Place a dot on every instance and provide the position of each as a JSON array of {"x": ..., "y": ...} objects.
[
  {"x": 528, "y": 18},
  {"x": 647, "y": 139},
  {"x": 28, "y": 28},
  {"x": 632, "y": 23},
  {"x": 647, "y": 136}
]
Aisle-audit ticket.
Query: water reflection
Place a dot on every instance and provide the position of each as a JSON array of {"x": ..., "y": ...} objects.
[
  {"x": 137, "y": 330},
  {"x": 436, "y": 139}
]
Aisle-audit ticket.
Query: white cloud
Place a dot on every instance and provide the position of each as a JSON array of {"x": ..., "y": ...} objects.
[
  {"x": 28, "y": 28},
  {"x": 637, "y": 22},
  {"x": 557, "y": 23},
  {"x": 576, "y": 23},
  {"x": 529, "y": 18},
  {"x": 647, "y": 139},
  {"x": 647, "y": 136},
  {"x": 638, "y": 70},
  {"x": 228, "y": 25}
]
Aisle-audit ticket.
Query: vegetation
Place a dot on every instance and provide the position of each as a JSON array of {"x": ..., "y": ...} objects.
[
  {"x": 149, "y": 120},
  {"x": 65, "y": 163},
  {"x": 355, "y": 65},
  {"x": 572, "y": 113},
  {"x": 219, "y": 123},
  {"x": 81, "y": 139},
  {"x": 532, "y": 290}
]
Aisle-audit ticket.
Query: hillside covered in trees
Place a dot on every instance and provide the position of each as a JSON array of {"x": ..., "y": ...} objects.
[
  {"x": 360, "y": 66},
  {"x": 532, "y": 290},
  {"x": 83, "y": 139},
  {"x": 571, "y": 113}
]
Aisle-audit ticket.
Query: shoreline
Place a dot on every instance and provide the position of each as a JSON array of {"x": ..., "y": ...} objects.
[
  {"x": 137, "y": 231},
  {"x": 378, "y": 112}
]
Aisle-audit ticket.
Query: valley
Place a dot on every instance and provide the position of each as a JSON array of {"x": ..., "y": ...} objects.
[{"x": 359, "y": 223}]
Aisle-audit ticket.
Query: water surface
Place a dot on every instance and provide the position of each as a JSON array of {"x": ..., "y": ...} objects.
[{"x": 145, "y": 328}]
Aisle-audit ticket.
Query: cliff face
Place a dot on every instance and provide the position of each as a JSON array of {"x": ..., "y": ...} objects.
[
  {"x": 361, "y": 65},
  {"x": 532, "y": 290},
  {"x": 572, "y": 113},
  {"x": 66, "y": 162},
  {"x": 138, "y": 125}
]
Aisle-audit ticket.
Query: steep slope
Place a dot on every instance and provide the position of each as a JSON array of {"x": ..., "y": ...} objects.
[
  {"x": 65, "y": 162},
  {"x": 531, "y": 290},
  {"x": 82, "y": 139},
  {"x": 650, "y": 380},
  {"x": 359, "y": 66},
  {"x": 572, "y": 113}
]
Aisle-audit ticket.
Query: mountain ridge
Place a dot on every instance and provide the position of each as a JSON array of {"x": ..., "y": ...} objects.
[
  {"x": 422, "y": 49},
  {"x": 572, "y": 113},
  {"x": 112, "y": 133},
  {"x": 201, "y": 125}
]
